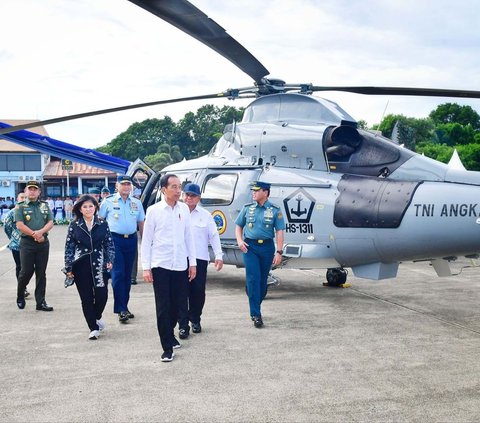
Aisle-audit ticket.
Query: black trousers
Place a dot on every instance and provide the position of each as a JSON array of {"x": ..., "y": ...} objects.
[
  {"x": 167, "y": 286},
  {"x": 18, "y": 266},
  {"x": 193, "y": 300},
  {"x": 94, "y": 299},
  {"x": 33, "y": 259},
  {"x": 135, "y": 267}
]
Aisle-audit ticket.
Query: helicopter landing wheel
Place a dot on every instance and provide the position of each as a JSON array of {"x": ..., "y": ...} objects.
[{"x": 336, "y": 277}]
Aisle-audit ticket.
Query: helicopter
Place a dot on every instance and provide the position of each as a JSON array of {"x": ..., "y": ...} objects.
[{"x": 351, "y": 199}]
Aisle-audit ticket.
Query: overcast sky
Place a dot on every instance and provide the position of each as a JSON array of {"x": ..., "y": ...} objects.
[{"x": 60, "y": 57}]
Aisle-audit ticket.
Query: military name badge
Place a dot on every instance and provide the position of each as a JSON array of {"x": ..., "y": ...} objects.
[
  {"x": 268, "y": 217},
  {"x": 133, "y": 208},
  {"x": 268, "y": 214}
]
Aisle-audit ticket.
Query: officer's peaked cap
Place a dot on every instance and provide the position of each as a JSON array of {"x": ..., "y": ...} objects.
[
  {"x": 257, "y": 185},
  {"x": 124, "y": 178},
  {"x": 33, "y": 184}
]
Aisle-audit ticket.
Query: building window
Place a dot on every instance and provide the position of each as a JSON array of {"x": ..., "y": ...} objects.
[
  {"x": 20, "y": 162},
  {"x": 54, "y": 191}
]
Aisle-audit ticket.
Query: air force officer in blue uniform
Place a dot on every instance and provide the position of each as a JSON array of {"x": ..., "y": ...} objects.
[
  {"x": 123, "y": 213},
  {"x": 256, "y": 227}
]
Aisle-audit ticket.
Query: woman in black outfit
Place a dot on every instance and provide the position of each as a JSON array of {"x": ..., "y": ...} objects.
[{"x": 89, "y": 255}]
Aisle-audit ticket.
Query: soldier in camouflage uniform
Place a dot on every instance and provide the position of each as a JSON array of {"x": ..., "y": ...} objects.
[{"x": 33, "y": 219}]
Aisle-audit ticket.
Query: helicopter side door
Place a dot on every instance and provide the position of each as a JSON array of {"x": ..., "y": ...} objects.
[{"x": 224, "y": 193}]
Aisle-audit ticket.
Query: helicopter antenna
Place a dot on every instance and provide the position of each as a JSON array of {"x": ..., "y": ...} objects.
[{"x": 383, "y": 115}]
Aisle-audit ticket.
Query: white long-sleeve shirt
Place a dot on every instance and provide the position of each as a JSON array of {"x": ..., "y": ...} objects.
[
  {"x": 167, "y": 239},
  {"x": 205, "y": 232}
]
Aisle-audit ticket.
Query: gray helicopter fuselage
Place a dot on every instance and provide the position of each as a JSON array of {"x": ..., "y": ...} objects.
[{"x": 350, "y": 198}]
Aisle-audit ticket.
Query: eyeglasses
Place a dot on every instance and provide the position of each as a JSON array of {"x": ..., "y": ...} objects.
[{"x": 174, "y": 187}]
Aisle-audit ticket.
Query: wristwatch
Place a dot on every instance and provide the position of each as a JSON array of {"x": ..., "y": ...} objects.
[{"x": 280, "y": 252}]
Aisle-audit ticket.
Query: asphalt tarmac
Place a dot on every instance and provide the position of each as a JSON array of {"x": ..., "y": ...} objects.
[{"x": 398, "y": 350}]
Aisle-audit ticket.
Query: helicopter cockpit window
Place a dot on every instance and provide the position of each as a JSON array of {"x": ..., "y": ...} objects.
[
  {"x": 219, "y": 189},
  {"x": 139, "y": 180},
  {"x": 294, "y": 108}
]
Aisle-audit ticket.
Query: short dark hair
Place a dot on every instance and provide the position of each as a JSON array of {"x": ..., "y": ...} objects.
[
  {"x": 164, "y": 179},
  {"x": 83, "y": 199}
]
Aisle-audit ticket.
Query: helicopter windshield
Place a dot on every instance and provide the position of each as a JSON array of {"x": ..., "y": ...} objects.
[{"x": 295, "y": 108}]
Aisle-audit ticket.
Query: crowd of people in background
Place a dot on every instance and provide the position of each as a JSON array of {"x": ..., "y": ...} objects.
[
  {"x": 61, "y": 207},
  {"x": 6, "y": 204}
]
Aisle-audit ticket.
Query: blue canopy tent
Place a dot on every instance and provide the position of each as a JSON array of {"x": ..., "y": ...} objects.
[{"x": 64, "y": 150}]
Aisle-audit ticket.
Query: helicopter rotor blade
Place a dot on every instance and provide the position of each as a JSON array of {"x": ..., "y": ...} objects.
[
  {"x": 186, "y": 17},
  {"x": 230, "y": 94},
  {"x": 422, "y": 92}
]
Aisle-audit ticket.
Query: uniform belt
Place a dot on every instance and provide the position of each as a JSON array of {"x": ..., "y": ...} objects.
[
  {"x": 125, "y": 235},
  {"x": 258, "y": 241}
]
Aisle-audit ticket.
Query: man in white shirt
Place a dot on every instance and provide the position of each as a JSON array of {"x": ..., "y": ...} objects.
[
  {"x": 204, "y": 233},
  {"x": 51, "y": 205},
  {"x": 68, "y": 205},
  {"x": 58, "y": 209},
  {"x": 168, "y": 258}
]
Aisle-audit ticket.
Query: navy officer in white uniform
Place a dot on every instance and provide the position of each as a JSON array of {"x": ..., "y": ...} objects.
[{"x": 123, "y": 213}]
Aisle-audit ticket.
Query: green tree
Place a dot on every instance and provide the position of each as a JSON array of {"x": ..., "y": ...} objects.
[
  {"x": 194, "y": 135},
  {"x": 142, "y": 139},
  {"x": 470, "y": 156},
  {"x": 455, "y": 133},
  {"x": 454, "y": 113},
  {"x": 411, "y": 131},
  {"x": 440, "y": 152},
  {"x": 205, "y": 127},
  {"x": 158, "y": 161},
  {"x": 362, "y": 124},
  {"x": 164, "y": 156}
]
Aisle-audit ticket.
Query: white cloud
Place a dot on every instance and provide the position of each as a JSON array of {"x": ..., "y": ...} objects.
[{"x": 61, "y": 57}]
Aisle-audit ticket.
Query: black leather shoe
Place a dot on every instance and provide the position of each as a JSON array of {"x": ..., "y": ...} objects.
[
  {"x": 130, "y": 315},
  {"x": 133, "y": 281},
  {"x": 21, "y": 303},
  {"x": 196, "y": 328},
  {"x": 26, "y": 294},
  {"x": 123, "y": 317},
  {"x": 44, "y": 307},
  {"x": 257, "y": 321},
  {"x": 183, "y": 333}
]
